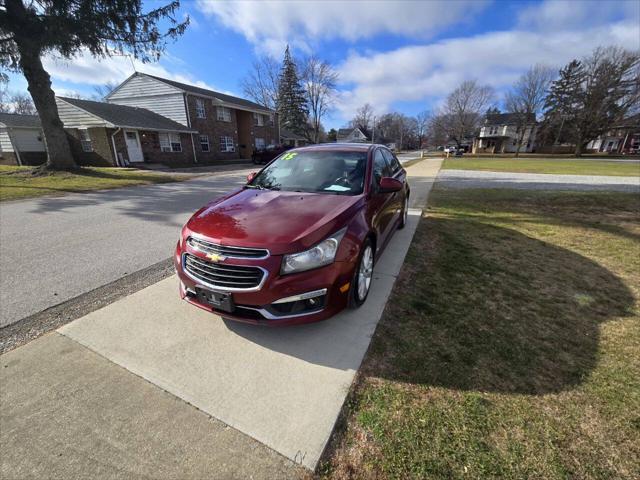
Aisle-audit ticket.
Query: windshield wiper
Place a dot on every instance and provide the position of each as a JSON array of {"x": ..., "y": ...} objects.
[{"x": 257, "y": 187}]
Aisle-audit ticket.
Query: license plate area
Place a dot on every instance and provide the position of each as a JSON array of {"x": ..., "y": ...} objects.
[{"x": 218, "y": 300}]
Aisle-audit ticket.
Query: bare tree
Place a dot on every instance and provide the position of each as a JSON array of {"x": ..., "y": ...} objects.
[
  {"x": 319, "y": 79},
  {"x": 422, "y": 126},
  {"x": 101, "y": 91},
  {"x": 262, "y": 83},
  {"x": 526, "y": 100},
  {"x": 23, "y": 104},
  {"x": 463, "y": 109},
  {"x": 363, "y": 118},
  {"x": 5, "y": 106}
]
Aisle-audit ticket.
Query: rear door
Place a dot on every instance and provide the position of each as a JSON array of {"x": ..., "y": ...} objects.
[
  {"x": 397, "y": 172},
  {"x": 381, "y": 203}
]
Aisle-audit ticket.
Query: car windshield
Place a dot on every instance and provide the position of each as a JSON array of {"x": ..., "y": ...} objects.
[{"x": 331, "y": 172}]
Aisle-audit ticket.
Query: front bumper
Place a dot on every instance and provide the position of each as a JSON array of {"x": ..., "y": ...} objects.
[{"x": 260, "y": 306}]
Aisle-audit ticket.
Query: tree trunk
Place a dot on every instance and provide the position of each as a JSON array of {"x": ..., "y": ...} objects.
[
  {"x": 578, "y": 150},
  {"x": 39, "y": 85},
  {"x": 519, "y": 144}
]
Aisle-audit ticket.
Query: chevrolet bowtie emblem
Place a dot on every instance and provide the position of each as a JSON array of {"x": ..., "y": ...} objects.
[{"x": 214, "y": 257}]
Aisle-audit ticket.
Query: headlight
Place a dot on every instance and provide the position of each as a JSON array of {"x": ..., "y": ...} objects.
[{"x": 322, "y": 254}]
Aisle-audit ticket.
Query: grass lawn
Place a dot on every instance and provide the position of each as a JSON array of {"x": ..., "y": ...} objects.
[
  {"x": 510, "y": 347},
  {"x": 18, "y": 182},
  {"x": 545, "y": 165}
]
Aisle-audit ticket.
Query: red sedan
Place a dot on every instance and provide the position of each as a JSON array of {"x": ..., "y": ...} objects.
[{"x": 298, "y": 242}]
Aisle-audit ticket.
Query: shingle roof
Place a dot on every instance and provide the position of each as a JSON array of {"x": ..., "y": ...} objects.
[
  {"x": 19, "y": 120},
  {"x": 125, "y": 116},
  {"x": 211, "y": 93},
  {"x": 505, "y": 119}
]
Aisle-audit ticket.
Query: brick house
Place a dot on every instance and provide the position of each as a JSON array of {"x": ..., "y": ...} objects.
[
  {"x": 623, "y": 137},
  {"x": 223, "y": 127},
  {"x": 105, "y": 134}
]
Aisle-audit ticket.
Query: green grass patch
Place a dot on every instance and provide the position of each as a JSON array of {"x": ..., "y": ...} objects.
[
  {"x": 509, "y": 347},
  {"x": 19, "y": 182},
  {"x": 558, "y": 166}
]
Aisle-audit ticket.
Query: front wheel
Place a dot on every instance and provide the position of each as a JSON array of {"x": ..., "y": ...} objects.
[{"x": 363, "y": 275}]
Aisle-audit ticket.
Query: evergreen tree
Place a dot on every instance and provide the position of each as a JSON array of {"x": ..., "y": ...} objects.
[
  {"x": 563, "y": 99},
  {"x": 332, "y": 135},
  {"x": 292, "y": 104}
]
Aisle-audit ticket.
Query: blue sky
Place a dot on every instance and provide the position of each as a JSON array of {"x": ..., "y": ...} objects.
[{"x": 396, "y": 55}]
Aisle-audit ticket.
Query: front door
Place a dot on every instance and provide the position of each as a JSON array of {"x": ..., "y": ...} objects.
[{"x": 133, "y": 146}]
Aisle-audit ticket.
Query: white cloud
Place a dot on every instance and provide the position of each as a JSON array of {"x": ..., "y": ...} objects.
[
  {"x": 429, "y": 72},
  {"x": 86, "y": 69},
  {"x": 271, "y": 24},
  {"x": 564, "y": 14}
]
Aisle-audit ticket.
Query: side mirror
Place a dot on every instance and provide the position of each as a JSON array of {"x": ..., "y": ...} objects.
[
  {"x": 251, "y": 176},
  {"x": 388, "y": 185}
]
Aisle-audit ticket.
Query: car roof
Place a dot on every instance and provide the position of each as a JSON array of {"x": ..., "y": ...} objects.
[{"x": 338, "y": 147}]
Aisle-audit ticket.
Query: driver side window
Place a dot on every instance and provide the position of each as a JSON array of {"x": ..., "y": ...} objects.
[{"x": 380, "y": 168}]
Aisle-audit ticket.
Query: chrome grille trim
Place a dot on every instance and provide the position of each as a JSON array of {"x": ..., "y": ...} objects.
[
  {"x": 205, "y": 246},
  {"x": 221, "y": 277}
]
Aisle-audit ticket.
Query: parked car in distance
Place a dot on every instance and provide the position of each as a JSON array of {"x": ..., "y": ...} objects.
[
  {"x": 299, "y": 241},
  {"x": 267, "y": 154}
]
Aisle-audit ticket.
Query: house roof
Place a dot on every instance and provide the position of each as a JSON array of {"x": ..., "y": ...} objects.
[
  {"x": 284, "y": 133},
  {"x": 211, "y": 93},
  {"x": 19, "y": 120},
  {"x": 345, "y": 132},
  {"x": 125, "y": 116},
  {"x": 506, "y": 118}
]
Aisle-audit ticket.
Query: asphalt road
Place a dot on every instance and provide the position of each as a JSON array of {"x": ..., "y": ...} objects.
[{"x": 53, "y": 249}]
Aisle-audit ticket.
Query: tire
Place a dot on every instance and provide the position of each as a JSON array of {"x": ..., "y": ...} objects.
[
  {"x": 362, "y": 275},
  {"x": 405, "y": 213}
]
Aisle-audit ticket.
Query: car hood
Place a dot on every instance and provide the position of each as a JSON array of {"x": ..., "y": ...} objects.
[{"x": 283, "y": 222}]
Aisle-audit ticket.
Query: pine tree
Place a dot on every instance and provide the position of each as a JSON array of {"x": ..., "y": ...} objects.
[
  {"x": 561, "y": 103},
  {"x": 292, "y": 105}
]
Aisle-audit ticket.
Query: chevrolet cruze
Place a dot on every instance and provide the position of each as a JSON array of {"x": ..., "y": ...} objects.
[{"x": 298, "y": 242}]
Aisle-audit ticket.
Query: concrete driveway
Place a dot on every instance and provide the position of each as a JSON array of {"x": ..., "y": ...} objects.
[{"x": 282, "y": 387}]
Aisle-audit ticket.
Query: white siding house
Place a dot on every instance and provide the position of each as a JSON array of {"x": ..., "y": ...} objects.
[
  {"x": 144, "y": 91},
  {"x": 21, "y": 140}
]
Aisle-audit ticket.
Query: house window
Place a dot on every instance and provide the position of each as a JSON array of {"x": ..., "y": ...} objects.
[
  {"x": 260, "y": 143},
  {"x": 170, "y": 142},
  {"x": 200, "y": 112},
  {"x": 85, "y": 141},
  {"x": 204, "y": 143},
  {"x": 271, "y": 120},
  {"x": 224, "y": 114},
  {"x": 258, "y": 119},
  {"x": 227, "y": 145}
]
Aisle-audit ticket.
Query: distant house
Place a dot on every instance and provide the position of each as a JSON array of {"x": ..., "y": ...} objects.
[
  {"x": 292, "y": 139},
  {"x": 623, "y": 137},
  {"x": 351, "y": 135},
  {"x": 117, "y": 135},
  {"x": 499, "y": 133},
  {"x": 21, "y": 140},
  {"x": 224, "y": 127}
]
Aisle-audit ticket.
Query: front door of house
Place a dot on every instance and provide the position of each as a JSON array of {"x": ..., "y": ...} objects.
[{"x": 133, "y": 146}]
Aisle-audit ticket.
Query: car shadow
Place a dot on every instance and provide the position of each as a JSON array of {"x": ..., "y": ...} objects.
[
  {"x": 514, "y": 315},
  {"x": 523, "y": 318}
]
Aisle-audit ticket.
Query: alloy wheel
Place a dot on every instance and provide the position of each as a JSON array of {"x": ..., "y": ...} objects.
[{"x": 365, "y": 272}]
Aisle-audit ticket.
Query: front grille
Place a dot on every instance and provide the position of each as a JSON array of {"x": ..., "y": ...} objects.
[
  {"x": 236, "y": 252},
  {"x": 232, "y": 277}
]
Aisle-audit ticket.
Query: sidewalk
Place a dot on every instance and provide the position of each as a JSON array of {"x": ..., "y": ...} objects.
[{"x": 68, "y": 411}]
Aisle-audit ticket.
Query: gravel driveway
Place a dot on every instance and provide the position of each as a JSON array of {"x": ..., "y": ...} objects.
[{"x": 535, "y": 181}]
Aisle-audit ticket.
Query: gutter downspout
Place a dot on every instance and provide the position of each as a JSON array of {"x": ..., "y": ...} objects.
[
  {"x": 113, "y": 142},
  {"x": 186, "y": 110},
  {"x": 15, "y": 148}
]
